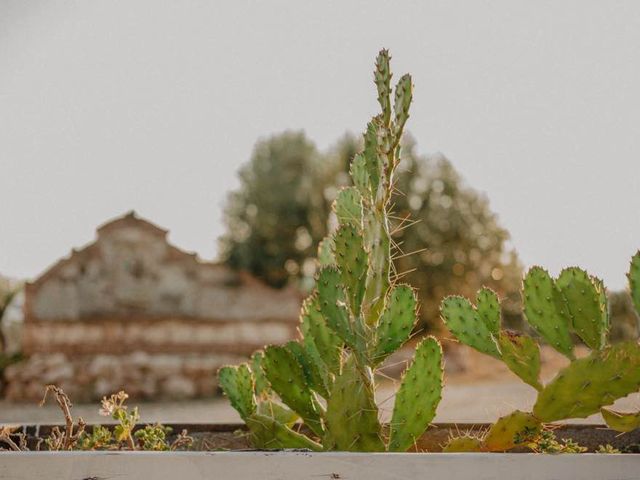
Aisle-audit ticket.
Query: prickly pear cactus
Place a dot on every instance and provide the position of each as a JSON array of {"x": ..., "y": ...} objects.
[
  {"x": 634, "y": 281},
  {"x": 354, "y": 319},
  {"x": 574, "y": 303}
]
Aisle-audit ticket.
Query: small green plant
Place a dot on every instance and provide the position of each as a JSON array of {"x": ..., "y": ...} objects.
[
  {"x": 607, "y": 449},
  {"x": 123, "y": 435},
  {"x": 546, "y": 442},
  {"x": 354, "y": 319},
  {"x": 574, "y": 304}
]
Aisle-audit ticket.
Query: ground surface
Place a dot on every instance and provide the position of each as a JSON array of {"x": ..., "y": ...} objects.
[{"x": 478, "y": 389}]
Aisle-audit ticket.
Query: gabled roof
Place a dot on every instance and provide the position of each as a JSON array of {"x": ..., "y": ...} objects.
[{"x": 131, "y": 219}]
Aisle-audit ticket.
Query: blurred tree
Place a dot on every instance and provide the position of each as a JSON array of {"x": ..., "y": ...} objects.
[
  {"x": 278, "y": 215},
  {"x": 623, "y": 317},
  {"x": 449, "y": 239}
]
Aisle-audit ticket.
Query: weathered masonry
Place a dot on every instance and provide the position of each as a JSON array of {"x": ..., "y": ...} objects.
[{"x": 131, "y": 310}]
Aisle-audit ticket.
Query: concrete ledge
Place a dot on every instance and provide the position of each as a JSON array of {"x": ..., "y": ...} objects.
[{"x": 316, "y": 466}]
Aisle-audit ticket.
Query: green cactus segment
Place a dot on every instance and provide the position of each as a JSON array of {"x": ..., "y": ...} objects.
[
  {"x": 590, "y": 383},
  {"x": 331, "y": 297},
  {"x": 522, "y": 355},
  {"x": 371, "y": 156},
  {"x": 279, "y": 413},
  {"x": 325, "y": 252},
  {"x": 378, "y": 243},
  {"x": 382, "y": 78},
  {"x": 396, "y": 323},
  {"x": 619, "y": 421},
  {"x": 288, "y": 380},
  {"x": 511, "y": 431},
  {"x": 237, "y": 384},
  {"x": 488, "y": 307},
  {"x": 317, "y": 335},
  {"x": 360, "y": 175},
  {"x": 545, "y": 310},
  {"x": 348, "y": 207},
  {"x": 268, "y": 433},
  {"x": 463, "y": 444},
  {"x": 352, "y": 259},
  {"x": 588, "y": 319},
  {"x": 352, "y": 415},
  {"x": 403, "y": 98},
  {"x": 261, "y": 384},
  {"x": 634, "y": 281},
  {"x": 418, "y": 396},
  {"x": 311, "y": 369},
  {"x": 463, "y": 320}
]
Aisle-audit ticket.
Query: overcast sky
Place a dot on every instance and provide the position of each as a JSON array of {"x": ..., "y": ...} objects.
[{"x": 107, "y": 106}]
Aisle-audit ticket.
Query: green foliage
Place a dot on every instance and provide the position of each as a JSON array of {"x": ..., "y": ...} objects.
[
  {"x": 277, "y": 216},
  {"x": 153, "y": 437},
  {"x": 574, "y": 303},
  {"x": 354, "y": 318}
]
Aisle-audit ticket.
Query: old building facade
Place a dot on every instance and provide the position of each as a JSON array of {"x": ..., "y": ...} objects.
[{"x": 132, "y": 311}]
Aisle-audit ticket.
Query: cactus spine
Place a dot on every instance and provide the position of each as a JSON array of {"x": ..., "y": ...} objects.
[
  {"x": 353, "y": 320},
  {"x": 574, "y": 303}
]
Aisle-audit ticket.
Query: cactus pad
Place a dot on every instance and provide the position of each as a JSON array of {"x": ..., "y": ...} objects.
[
  {"x": 317, "y": 334},
  {"x": 488, "y": 307},
  {"x": 325, "y": 252},
  {"x": 462, "y": 444},
  {"x": 510, "y": 431},
  {"x": 288, "y": 380},
  {"x": 352, "y": 414},
  {"x": 352, "y": 261},
  {"x": 396, "y": 323},
  {"x": 360, "y": 175},
  {"x": 634, "y": 281},
  {"x": 463, "y": 320},
  {"x": 521, "y": 354},
  {"x": 312, "y": 370},
  {"x": 588, "y": 319},
  {"x": 348, "y": 207},
  {"x": 545, "y": 310},
  {"x": 382, "y": 78},
  {"x": 279, "y": 413},
  {"x": 331, "y": 297},
  {"x": 621, "y": 422},
  {"x": 418, "y": 397},
  {"x": 237, "y": 384},
  {"x": 268, "y": 433},
  {"x": 261, "y": 384},
  {"x": 590, "y": 383},
  {"x": 402, "y": 101}
]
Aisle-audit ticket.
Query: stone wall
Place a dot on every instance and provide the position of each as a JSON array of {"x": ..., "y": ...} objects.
[{"x": 132, "y": 311}]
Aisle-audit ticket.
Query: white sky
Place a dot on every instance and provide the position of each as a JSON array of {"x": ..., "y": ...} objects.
[{"x": 111, "y": 105}]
